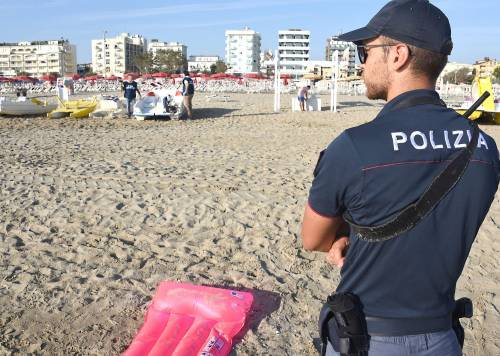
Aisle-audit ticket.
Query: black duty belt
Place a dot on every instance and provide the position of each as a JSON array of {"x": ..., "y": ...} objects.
[
  {"x": 401, "y": 326},
  {"x": 445, "y": 181}
]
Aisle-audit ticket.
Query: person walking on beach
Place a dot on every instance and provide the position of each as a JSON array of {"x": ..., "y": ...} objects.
[
  {"x": 130, "y": 89},
  {"x": 302, "y": 96},
  {"x": 187, "y": 94},
  {"x": 412, "y": 216}
]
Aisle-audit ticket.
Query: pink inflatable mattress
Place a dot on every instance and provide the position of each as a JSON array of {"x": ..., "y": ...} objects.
[{"x": 190, "y": 320}]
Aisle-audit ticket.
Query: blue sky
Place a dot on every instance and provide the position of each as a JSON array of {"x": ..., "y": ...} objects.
[{"x": 200, "y": 24}]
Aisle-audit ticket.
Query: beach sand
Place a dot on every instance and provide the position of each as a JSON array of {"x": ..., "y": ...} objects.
[{"x": 95, "y": 213}]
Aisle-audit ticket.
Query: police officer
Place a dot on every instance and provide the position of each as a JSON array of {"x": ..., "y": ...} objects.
[
  {"x": 130, "y": 89},
  {"x": 405, "y": 283},
  {"x": 187, "y": 94}
]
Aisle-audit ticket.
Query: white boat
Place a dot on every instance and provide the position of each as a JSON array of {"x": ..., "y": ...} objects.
[
  {"x": 108, "y": 107},
  {"x": 158, "y": 104},
  {"x": 23, "y": 106}
]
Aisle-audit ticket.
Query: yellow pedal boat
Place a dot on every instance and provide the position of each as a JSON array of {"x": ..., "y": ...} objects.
[
  {"x": 490, "y": 110},
  {"x": 76, "y": 109}
]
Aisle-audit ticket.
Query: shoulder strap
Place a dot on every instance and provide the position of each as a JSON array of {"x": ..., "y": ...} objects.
[
  {"x": 410, "y": 216},
  {"x": 418, "y": 100}
]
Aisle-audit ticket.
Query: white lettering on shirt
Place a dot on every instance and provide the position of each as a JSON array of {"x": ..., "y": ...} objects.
[
  {"x": 423, "y": 146},
  {"x": 422, "y": 140},
  {"x": 446, "y": 139},
  {"x": 395, "y": 141},
  {"x": 433, "y": 144},
  {"x": 481, "y": 141},
  {"x": 459, "y": 135}
]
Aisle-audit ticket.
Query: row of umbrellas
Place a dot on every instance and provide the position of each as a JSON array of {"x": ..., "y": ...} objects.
[{"x": 52, "y": 78}]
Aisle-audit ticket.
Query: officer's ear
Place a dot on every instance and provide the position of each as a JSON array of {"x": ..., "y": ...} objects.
[{"x": 400, "y": 57}]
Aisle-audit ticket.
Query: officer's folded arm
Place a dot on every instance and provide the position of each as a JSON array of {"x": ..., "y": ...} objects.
[{"x": 324, "y": 234}]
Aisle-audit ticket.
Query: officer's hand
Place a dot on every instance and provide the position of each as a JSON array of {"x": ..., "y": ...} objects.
[{"x": 336, "y": 255}]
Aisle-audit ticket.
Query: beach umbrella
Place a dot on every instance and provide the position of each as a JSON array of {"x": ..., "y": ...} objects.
[
  {"x": 219, "y": 76},
  {"x": 160, "y": 75},
  {"x": 24, "y": 78},
  {"x": 113, "y": 77},
  {"x": 312, "y": 76},
  {"x": 134, "y": 75},
  {"x": 48, "y": 78}
]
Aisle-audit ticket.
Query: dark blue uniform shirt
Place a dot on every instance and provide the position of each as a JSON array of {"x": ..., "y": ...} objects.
[
  {"x": 376, "y": 169},
  {"x": 129, "y": 89}
]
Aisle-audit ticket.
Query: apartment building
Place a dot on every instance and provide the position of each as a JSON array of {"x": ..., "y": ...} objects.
[
  {"x": 347, "y": 55},
  {"x": 243, "y": 51},
  {"x": 154, "y": 46},
  {"x": 38, "y": 58},
  {"x": 485, "y": 67},
  {"x": 115, "y": 56},
  {"x": 294, "y": 51}
]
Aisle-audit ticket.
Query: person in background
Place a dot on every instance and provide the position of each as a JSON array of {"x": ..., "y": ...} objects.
[
  {"x": 187, "y": 94},
  {"x": 130, "y": 90},
  {"x": 302, "y": 96}
]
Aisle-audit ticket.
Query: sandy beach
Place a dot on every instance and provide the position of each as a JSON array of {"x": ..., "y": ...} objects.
[{"x": 95, "y": 213}]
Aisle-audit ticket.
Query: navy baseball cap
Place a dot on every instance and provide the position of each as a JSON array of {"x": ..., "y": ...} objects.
[{"x": 414, "y": 22}]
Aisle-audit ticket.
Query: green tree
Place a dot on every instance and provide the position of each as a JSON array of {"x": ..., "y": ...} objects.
[
  {"x": 170, "y": 61},
  {"x": 144, "y": 62},
  {"x": 218, "y": 67},
  {"x": 496, "y": 75},
  {"x": 462, "y": 75}
]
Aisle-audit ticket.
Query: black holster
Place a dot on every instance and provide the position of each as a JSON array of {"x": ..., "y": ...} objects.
[
  {"x": 343, "y": 324},
  {"x": 463, "y": 309}
]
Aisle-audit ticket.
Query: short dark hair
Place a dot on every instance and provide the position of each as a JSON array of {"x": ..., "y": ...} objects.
[
  {"x": 422, "y": 61},
  {"x": 186, "y": 72}
]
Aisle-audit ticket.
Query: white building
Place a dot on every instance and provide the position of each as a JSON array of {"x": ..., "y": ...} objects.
[
  {"x": 202, "y": 63},
  {"x": 243, "y": 51},
  {"x": 155, "y": 46},
  {"x": 294, "y": 50},
  {"x": 347, "y": 55},
  {"x": 115, "y": 56},
  {"x": 38, "y": 57}
]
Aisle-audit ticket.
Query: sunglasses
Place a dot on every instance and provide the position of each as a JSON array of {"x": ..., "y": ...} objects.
[{"x": 363, "y": 50}]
